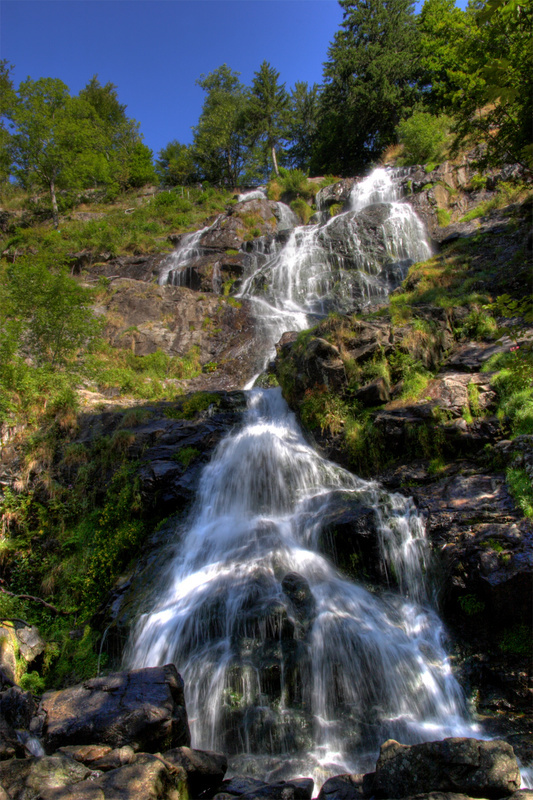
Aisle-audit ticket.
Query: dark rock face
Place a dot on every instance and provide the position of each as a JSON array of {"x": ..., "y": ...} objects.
[
  {"x": 343, "y": 787},
  {"x": 145, "y": 318},
  {"x": 205, "y": 770},
  {"x": 469, "y": 766},
  {"x": 144, "y": 708}
]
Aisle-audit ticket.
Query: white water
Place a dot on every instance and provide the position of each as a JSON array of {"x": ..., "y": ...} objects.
[
  {"x": 176, "y": 265},
  {"x": 371, "y": 666},
  {"x": 315, "y": 273},
  {"x": 320, "y": 690}
]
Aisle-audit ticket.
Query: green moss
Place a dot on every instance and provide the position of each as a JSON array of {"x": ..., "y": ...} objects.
[
  {"x": 186, "y": 455},
  {"x": 471, "y": 605},
  {"x": 517, "y": 641},
  {"x": 443, "y": 217}
]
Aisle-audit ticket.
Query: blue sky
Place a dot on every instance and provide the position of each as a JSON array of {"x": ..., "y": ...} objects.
[{"x": 154, "y": 50}]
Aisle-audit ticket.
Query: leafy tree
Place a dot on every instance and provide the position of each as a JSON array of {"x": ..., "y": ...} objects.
[
  {"x": 423, "y": 136},
  {"x": 500, "y": 112},
  {"x": 128, "y": 160},
  {"x": 45, "y": 311},
  {"x": 219, "y": 145},
  {"x": 447, "y": 72},
  {"x": 57, "y": 139},
  {"x": 302, "y": 124},
  {"x": 267, "y": 112},
  {"x": 369, "y": 83},
  {"x": 175, "y": 165},
  {"x": 7, "y": 98}
]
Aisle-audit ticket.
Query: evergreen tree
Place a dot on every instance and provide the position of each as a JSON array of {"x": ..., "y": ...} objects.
[
  {"x": 369, "y": 83},
  {"x": 267, "y": 113},
  {"x": 302, "y": 125},
  {"x": 219, "y": 145}
]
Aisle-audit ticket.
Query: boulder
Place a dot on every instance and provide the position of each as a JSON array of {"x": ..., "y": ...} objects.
[
  {"x": 17, "y": 707},
  {"x": 373, "y": 394},
  {"x": 343, "y": 787},
  {"x": 147, "y": 778},
  {"x": 241, "y": 784},
  {"x": 468, "y": 766},
  {"x": 205, "y": 770},
  {"x": 29, "y": 778},
  {"x": 144, "y": 708},
  {"x": 86, "y": 753},
  {"x": 336, "y": 193}
]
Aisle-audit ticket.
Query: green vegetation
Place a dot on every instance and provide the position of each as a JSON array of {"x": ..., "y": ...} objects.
[
  {"x": 423, "y": 137},
  {"x": 186, "y": 455},
  {"x": 471, "y": 605},
  {"x": 517, "y": 641}
]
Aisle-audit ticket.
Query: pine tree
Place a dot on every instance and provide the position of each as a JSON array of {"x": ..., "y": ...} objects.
[
  {"x": 369, "y": 83},
  {"x": 267, "y": 113}
]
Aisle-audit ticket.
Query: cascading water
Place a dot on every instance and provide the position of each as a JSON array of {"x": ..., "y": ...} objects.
[
  {"x": 176, "y": 266},
  {"x": 282, "y": 656},
  {"x": 353, "y": 259}
]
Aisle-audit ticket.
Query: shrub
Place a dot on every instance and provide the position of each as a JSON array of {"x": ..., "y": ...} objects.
[{"x": 423, "y": 136}]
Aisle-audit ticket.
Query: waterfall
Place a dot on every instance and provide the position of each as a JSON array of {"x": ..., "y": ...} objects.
[
  {"x": 322, "y": 673},
  {"x": 283, "y": 657},
  {"x": 175, "y": 267},
  {"x": 352, "y": 260}
]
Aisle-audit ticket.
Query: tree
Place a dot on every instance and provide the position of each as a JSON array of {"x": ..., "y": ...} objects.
[
  {"x": 48, "y": 309},
  {"x": 57, "y": 139},
  {"x": 129, "y": 161},
  {"x": 369, "y": 83},
  {"x": 267, "y": 112},
  {"x": 175, "y": 165},
  {"x": 302, "y": 124},
  {"x": 219, "y": 145},
  {"x": 7, "y": 98}
]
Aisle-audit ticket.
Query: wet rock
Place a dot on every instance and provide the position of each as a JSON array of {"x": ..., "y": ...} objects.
[
  {"x": 272, "y": 791},
  {"x": 144, "y": 708},
  {"x": 349, "y": 537},
  {"x": 303, "y": 788},
  {"x": 9, "y": 743},
  {"x": 30, "y": 778},
  {"x": 205, "y": 770},
  {"x": 241, "y": 784},
  {"x": 149, "y": 778},
  {"x": 469, "y": 766},
  {"x": 342, "y": 787},
  {"x": 17, "y": 707},
  {"x": 336, "y": 193},
  {"x": 373, "y": 394},
  {"x": 297, "y": 589}
]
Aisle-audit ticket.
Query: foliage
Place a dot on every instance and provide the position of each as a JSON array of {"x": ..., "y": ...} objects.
[
  {"x": 302, "y": 124},
  {"x": 175, "y": 165},
  {"x": 517, "y": 640},
  {"x": 520, "y": 486},
  {"x": 423, "y": 137},
  {"x": 471, "y": 605},
  {"x": 219, "y": 144},
  {"x": 514, "y": 385},
  {"x": 186, "y": 455},
  {"x": 48, "y": 309},
  {"x": 267, "y": 114},
  {"x": 369, "y": 84}
]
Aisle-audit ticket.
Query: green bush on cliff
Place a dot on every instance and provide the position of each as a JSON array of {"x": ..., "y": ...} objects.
[{"x": 423, "y": 136}]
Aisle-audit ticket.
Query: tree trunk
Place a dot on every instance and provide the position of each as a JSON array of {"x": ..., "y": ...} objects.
[
  {"x": 55, "y": 210},
  {"x": 275, "y": 161}
]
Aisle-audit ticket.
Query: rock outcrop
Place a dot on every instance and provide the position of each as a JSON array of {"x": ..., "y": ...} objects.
[{"x": 143, "y": 708}]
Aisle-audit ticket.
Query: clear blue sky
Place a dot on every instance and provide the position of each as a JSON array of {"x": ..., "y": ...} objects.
[{"x": 154, "y": 50}]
